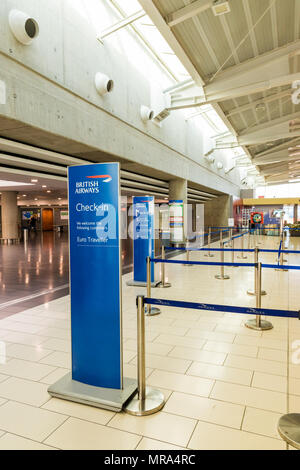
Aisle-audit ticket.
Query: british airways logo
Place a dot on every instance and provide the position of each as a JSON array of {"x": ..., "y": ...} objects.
[
  {"x": 92, "y": 186},
  {"x": 105, "y": 178}
]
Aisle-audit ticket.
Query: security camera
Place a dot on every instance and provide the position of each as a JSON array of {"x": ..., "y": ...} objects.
[
  {"x": 147, "y": 114},
  {"x": 103, "y": 83},
  {"x": 24, "y": 28}
]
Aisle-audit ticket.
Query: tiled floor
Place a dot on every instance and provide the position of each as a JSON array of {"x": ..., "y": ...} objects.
[{"x": 225, "y": 386}]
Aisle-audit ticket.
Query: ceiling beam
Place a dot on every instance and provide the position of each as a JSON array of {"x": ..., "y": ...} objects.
[
  {"x": 167, "y": 33},
  {"x": 253, "y": 104},
  {"x": 187, "y": 12},
  {"x": 121, "y": 24},
  {"x": 270, "y": 131}
]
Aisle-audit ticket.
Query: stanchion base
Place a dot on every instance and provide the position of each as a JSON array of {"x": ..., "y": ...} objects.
[
  {"x": 242, "y": 257},
  {"x": 154, "y": 311},
  {"x": 153, "y": 403},
  {"x": 164, "y": 286},
  {"x": 284, "y": 270},
  {"x": 209, "y": 256},
  {"x": 264, "y": 325},
  {"x": 252, "y": 292},
  {"x": 289, "y": 429},
  {"x": 223, "y": 278}
]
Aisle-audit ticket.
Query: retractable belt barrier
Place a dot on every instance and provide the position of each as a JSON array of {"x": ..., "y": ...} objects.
[{"x": 224, "y": 308}]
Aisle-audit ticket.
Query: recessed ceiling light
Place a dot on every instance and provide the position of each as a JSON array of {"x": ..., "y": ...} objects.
[
  {"x": 44, "y": 186},
  {"x": 48, "y": 191},
  {"x": 24, "y": 195},
  {"x": 220, "y": 7},
  {"x": 34, "y": 181}
]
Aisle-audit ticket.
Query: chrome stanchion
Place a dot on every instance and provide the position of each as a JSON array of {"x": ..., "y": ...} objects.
[
  {"x": 163, "y": 284},
  {"x": 230, "y": 237},
  {"x": 232, "y": 253},
  {"x": 147, "y": 400},
  {"x": 249, "y": 240},
  {"x": 289, "y": 429},
  {"x": 280, "y": 260},
  {"x": 150, "y": 311},
  {"x": 209, "y": 254},
  {"x": 242, "y": 255},
  {"x": 222, "y": 276},
  {"x": 221, "y": 236},
  {"x": 256, "y": 261},
  {"x": 257, "y": 323}
]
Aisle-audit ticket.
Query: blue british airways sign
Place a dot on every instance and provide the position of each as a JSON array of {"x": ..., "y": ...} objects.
[{"x": 95, "y": 273}]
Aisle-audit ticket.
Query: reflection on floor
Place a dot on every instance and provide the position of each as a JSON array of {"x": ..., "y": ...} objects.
[
  {"x": 33, "y": 273},
  {"x": 225, "y": 386}
]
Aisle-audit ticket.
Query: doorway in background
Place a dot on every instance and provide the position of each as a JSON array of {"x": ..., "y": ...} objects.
[{"x": 47, "y": 220}]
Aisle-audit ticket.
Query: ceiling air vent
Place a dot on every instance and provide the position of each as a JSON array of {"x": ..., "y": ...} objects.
[{"x": 220, "y": 7}]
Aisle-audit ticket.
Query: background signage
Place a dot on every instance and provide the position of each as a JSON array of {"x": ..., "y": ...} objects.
[
  {"x": 143, "y": 244},
  {"x": 176, "y": 221},
  {"x": 95, "y": 270}
]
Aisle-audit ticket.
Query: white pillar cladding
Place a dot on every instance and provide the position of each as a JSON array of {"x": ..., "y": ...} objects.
[
  {"x": 9, "y": 214},
  {"x": 178, "y": 192}
]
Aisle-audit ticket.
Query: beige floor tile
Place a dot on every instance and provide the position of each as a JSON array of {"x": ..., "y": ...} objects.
[
  {"x": 13, "y": 442},
  {"x": 23, "y": 338},
  {"x": 211, "y": 335},
  {"x": 249, "y": 396},
  {"x": 25, "y": 369},
  {"x": 212, "y": 437},
  {"x": 216, "y": 358},
  {"x": 56, "y": 344},
  {"x": 250, "y": 351},
  {"x": 76, "y": 434},
  {"x": 28, "y": 421},
  {"x": 261, "y": 342},
  {"x": 294, "y": 386},
  {"x": 165, "y": 363},
  {"x": 277, "y": 383},
  {"x": 87, "y": 413},
  {"x": 260, "y": 365},
  {"x": 273, "y": 355},
  {"x": 226, "y": 374},
  {"x": 181, "y": 383},
  {"x": 24, "y": 391},
  {"x": 58, "y": 359},
  {"x": 54, "y": 376},
  {"x": 27, "y": 353},
  {"x": 261, "y": 422},
  {"x": 55, "y": 333},
  {"x": 151, "y": 444},
  {"x": 151, "y": 348},
  {"x": 3, "y": 377},
  {"x": 180, "y": 341},
  {"x": 205, "y": 409},
  {"x": 161, "y": 426},
  {"x": 294, "y": 404}
]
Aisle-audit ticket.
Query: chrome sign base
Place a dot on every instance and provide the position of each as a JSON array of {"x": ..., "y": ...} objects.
[{"x": 106, "y": 398}]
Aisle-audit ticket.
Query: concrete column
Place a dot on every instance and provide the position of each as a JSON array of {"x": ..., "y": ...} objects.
[
  {"x": 295, "y": 213},
  {"x": 9, "y": 214},
  {"x": 218, "y": 211}
]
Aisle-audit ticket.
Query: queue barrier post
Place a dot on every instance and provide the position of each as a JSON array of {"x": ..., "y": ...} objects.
[
  {"x": 163, "y": 284},
  {"x": 147, "y": 401},
  {"x": 209, "y": 254},
  {"x": 231, "y": 240},
  {"x": 280, "y": 258},
  {"x": 258, "y": 324},
  {"x": 222, "y": 276},
  {"x": 289, "y": 429},
  {"x": 149, "y": 310},
  {"x": 242, "y": 255},
  {"x": 249, "y": 240},
  {"x": 256, "y": 261}
]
